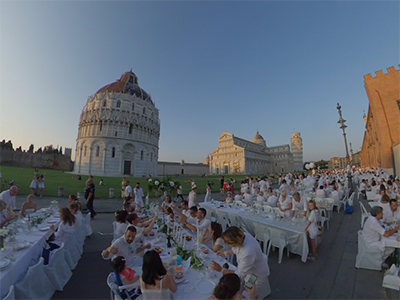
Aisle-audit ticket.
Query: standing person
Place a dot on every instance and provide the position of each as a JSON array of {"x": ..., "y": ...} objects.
[
  {"x": 9, "y": 197},
  {"x": 221, "y": 185},
  {"x": 128, "y": 190},
  {"x": 232, "y": 186},
  {"x": 89, "y": 196},
  {"x": 312, "y": 228},
  {"x": 250, "y": 259},
  {"x": 139, "y": 195},
  {"x": 29, "y": 206},
  {"x": 123, "y": 185},
  {"x": 41, "y": 185},
  {"x": 33, "y": 185},
  {"x": 207, "y": 198},
  {"x": 191, "y": 198},
  {"x": 179, "y": 193}
]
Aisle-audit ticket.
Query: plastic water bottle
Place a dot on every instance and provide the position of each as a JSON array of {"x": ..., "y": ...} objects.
[{"x": 178, "y": 260}]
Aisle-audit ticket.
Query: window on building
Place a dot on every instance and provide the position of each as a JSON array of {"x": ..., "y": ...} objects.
[
  {"x": 98, "y": 151},
  {"x": 130, "y": 128},
  {"x": 104, "y": 103},
  {"x": 84, "y": 151},
  {"x": 100, "y": 125},
  {"x": 119, "y": 103},
  {"x": 113, "y": 152},
  {"x": 144, "y": 110},
  {"x": 131, "y": 79},
  {"x": 141, "y": 155},
  {"x": 116, "y": 133},
  {"x": 133, "y": 107}
]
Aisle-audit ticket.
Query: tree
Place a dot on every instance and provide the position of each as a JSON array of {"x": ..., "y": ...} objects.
[
  {"x": 48, "y": 149},
  {"x": 60, "y": 151},
  {"x": 31, "y": 148},
  {"x": 19, "y": 149},
  {"x": 39, "y": 150}
]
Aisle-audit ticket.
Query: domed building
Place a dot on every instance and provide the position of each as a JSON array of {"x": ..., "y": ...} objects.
[
  {"x": 119, "y": 131},
  {"x": 235, "y": 155}
]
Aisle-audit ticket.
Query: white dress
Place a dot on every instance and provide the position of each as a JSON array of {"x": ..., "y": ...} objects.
[
  {"x": 191, "y": 199},
  {"x": 33, "y": 184},
  {"x": 207, "y": 198},
  {"x": 158, "y": 294},
  {"x": 313, "y": 228}
]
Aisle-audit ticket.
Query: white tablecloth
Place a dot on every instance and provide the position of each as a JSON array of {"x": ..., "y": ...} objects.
[
  {"x": 294, "y": 233},
  {"x": 23, "y": 258}
]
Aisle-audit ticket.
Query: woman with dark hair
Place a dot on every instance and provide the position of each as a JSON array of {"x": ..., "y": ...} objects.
[
  {"x": 215, "y": 230},
  {"x": 250, "y": 259},
  {"x": 120, "y": 219},
  {"x": 228, "y": 287},
  {"x": 207, "y": 197},
  {"x": 155, "y": 283},
  {"x": 126, "y": 274}
]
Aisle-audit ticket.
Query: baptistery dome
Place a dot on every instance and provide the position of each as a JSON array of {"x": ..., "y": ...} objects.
[
  {"x": 258, "y": 139},
  {"x": 119, "y": 131}
]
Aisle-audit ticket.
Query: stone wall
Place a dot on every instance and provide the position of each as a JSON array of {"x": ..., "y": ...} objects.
[
  {"x": 35, "y": 160},
  {"x": 172, "y": 168}
]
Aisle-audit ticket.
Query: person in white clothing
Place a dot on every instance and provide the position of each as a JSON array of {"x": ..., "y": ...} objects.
[
  {"x": 201, "y": 223},
  {"x": 373, "y": 231},
  {"x": 272, "y": 199},
  {"x": 312, "y": 228},
  {"x": 183, "y": 218},
  {"x": 192, "y": 197},
  {"x": 9, "y": 197},
  {"x": 285, "y": 204},
  {"x": 139, "y": 195},
  {"x": 250, "y": 259},
  {"x": 299, "y": 203},
  {"x": 141, "y": 227},
  {"x": 248, "y": 198},
  {"x": 128, "y": 190},
  {"x": 238, "y": 196},
  {"x": 260, "y": 197},
  {"x": 391, "y": 215},
  {"x": 125, "y": 247},
  {"x": 207, "y": 197}
]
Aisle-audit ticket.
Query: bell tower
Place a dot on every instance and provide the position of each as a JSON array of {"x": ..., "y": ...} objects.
[{"x": 297, "y": 151}]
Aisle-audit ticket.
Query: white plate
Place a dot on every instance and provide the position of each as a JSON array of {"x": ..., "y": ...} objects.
[
  {"x": 20, "y": 245},
  {"x": 51, "y": 221},
  {"x": 44, "y": 228},
  {"x": 205, "y": 286},
  {"x": 4, "y": 263},
  {"x": 179, "y": 280}
]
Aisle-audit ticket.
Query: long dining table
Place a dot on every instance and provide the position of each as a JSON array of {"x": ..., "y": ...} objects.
[
  {"x": 24, "y": 251},
  {"x": 294, "y": 231}
]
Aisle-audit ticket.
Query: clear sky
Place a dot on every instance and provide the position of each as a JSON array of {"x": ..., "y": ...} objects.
[{"x": 240, "y": 66}]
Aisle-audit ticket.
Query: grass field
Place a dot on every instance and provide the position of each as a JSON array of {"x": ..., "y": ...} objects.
[{"x": 55, "y": 178}]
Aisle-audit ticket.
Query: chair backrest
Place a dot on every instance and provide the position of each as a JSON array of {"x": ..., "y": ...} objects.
[
  {"x": 277, "y": 237},
  {"x": 276, "y": 210},
  {"x": 112, "y": 284},
  {"x": 267, "y": 208},
  {"x": 224, "y": 221},
  {"x": 87, "y": 224},
  {"x": 363, "y": 209},
  {"x": 11, "y": 294},
  {"x": 56, "y": 256}
]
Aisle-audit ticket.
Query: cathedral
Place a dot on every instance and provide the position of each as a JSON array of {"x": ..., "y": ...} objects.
[
  {"x": 119, "y": 131},
  {"x": 239, "y": 156}
]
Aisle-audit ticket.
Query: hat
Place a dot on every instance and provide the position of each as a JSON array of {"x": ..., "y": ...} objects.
[{"x": 194, "y": 187}]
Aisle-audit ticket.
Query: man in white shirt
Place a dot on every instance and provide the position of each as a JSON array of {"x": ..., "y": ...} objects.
[
  {"x": 144, "y": 227},
  {"x": 185, "y": 208},
  {"x": 373, "y": 231},
  {"x": 125, "y": 246},
  {"x": 201, "y": 223},
  {"x": 299, "y": 203},
  {"x": 248, "y": 198},
  {"x": 263, "y": 185},
  {"x": 128, "y": 190},
  {"x": 238, "y": 196},
  {"x": 9, "y": 197},
  {"x": 391, "y": 215},
  {"x": 139, "y": 195},
  {"x": 184, "y": 219},
  {"x": 284, "y": 186}
]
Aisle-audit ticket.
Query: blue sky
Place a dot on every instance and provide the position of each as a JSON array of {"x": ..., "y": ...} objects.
[{"x": 241, "y": 66}]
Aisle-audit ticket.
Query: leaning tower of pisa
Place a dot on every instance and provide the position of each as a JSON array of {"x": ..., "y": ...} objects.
[{"x": 297, "y": 151}]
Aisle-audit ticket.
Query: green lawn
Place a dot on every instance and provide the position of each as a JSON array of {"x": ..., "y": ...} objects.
[{"x": 55, "y": 178}]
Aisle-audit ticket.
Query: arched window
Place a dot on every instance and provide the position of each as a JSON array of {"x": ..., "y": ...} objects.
[
  {"x": 133, "y": 106},
  {"x": 84, "y": 151},
  {"x": 100, "y": 125},
  {"x": 141, "y": 155},
  {"x": 113, "y": 152},
  {"x": 144, "y": 110},
  {"x": 104, "y": 103},
  {"x": 98, "y": 151},
  {"x": 119, "y": 103},
  {"x": 130, "y": 128},
  {"x": 116, "y": 133}
]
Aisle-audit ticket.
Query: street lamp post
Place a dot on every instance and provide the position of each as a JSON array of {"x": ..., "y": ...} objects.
[{"x": 343, "y": 127}]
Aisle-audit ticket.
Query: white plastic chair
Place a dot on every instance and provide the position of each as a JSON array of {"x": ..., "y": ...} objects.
[
  {"x": 58, "y": 270},
  {"x": 86, "y": 222},
  {"x": 267, "y": 208},
  {"x": 35, "y": 284},
  {"x": 323, "y": 217},
  {"x": 368, "y": 257},
  {"x": 364, "y": 214},
  {"x": 224, "y": 221},
  {"x": 358, "y": 192},
  {"x": 115, "y": 289},
  {"x": 71, "y": 252},
  {"x": 10, "y": 295},
  {"x": 262, "y": 235},
  {"x": 278, "y": 239},
  {"x": 80, "y": 238}
]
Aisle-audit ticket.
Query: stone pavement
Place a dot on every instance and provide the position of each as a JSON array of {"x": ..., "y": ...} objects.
[{"x": 332, "y": 276}]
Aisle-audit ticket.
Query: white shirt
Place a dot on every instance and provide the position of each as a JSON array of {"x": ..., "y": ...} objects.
[
  {"x": 250, "y": 260},
  {"x": 238, "y": 197},
  {"x": 8, "y": 199},
  {"x": 372, "y": 230},
  {"x": 128, "y": 251},
  {"x": 203, "y": 224},
  {"x": 272, "y": 200},
  {"x": 128, "y": 191},
  {"x": 120, "y": 229},
  {"x": 186, "y": 212},
  {"x": 191, "y": 220},
  {"x": 301, "y": 205},
  {"x": 248, "y": 199},
  {"x": 63, "y": 232},
  {"x": 389, "y": 216},
  {"x": 191, "y": 199},
  {"x": 260, "y": 198}
]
